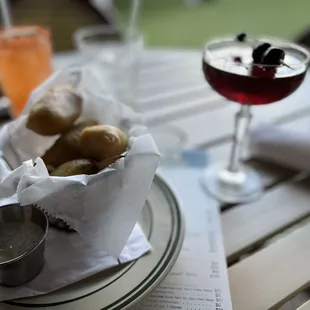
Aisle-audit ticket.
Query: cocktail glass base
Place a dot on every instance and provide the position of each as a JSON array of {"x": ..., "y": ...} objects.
[{"x": 232, "y": 187}]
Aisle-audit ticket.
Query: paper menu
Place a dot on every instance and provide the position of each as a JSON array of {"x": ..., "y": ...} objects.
[{"x": 199, "y": 279}]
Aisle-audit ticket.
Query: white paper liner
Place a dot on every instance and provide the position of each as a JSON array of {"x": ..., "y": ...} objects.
[
  {"x": 68, "y": 259},
  {"x": 102, "y": 208}
]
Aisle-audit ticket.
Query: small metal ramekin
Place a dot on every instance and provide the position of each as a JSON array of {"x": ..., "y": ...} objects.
[{"x": 28, "y": 265}]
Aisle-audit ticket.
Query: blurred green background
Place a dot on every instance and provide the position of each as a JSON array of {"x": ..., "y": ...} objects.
[{"x": 172, "y": 23}]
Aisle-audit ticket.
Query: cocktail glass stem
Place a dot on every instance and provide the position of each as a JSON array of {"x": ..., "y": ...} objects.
[
  {"x": 234, "y": 173},
  {"x": 242, "y": 121},
  {"x": 234, "y": 183}
]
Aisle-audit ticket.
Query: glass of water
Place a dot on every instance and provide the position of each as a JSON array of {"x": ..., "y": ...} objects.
[{"x": 118, "y": 61}]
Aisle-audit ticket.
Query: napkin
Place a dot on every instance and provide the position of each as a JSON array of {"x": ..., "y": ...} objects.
[
  {"x": 287, "y": 147},
  {"x": 102, "y": 208},
  {"x": 69, "y": 259}
]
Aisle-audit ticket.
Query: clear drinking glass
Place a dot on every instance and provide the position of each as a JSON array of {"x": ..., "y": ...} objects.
[
  {"x": 228, "y": 67},
  {"x": 118, "y": 61},
  {"x": 116, "y": 58}
]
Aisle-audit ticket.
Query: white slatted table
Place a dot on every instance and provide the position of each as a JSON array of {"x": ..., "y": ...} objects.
[
  {"x": 305, "y": 306},
  {"x": 265, "y": 272}
]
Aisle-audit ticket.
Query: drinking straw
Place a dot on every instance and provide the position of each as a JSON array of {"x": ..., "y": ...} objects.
[
  {"x": 6, "y": 14},
  {"x": 133, "y": 21},
  {"x": 7, "y": 22}
]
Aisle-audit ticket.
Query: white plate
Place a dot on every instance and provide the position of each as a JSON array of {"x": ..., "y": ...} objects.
[{"x": 123, "y": 287}]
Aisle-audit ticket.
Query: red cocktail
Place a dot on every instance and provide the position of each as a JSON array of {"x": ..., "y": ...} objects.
[{"x": 250, "y": 72}]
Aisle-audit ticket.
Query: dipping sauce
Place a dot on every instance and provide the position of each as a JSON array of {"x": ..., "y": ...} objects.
[{"x": 18, "y": 238}]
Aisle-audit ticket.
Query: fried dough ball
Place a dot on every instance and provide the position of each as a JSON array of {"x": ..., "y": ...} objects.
[
  {"x": 55, "y": 112},
  {"x": 74, "y": 167},
  {"x": 102, "y": 142},
  {"x": 67, "y": 147}
]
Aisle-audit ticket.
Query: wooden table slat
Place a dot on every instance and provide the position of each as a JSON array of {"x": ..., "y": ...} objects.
[
  {"x": 170, "y": 113},
  {"x": 272, "y": 276},
  {"x": 163, "y": 67},
  {"x": 305, "y": 306},
  {"x": 247, "y": 225},
  {"x": 147, "y": 88},
  {"x": 173, "y": 97},
  {"x": 215, "y": 124}
]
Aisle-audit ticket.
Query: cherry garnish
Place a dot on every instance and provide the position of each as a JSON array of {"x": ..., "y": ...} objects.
[
  {"x": 263, "y": 55},
  {"x": 273, "y": 56},
  {"x": 259, "y": 51},
  {"x": 266, "y": 55}
]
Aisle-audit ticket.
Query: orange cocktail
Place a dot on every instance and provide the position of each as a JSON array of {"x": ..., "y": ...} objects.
[{"x": 25, "y": 62}]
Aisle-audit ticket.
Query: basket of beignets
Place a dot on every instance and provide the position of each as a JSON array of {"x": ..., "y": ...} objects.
[{"x": 69, "y": 155}]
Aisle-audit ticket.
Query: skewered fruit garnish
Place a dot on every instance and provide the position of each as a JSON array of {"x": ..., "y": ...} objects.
[
  {"x": 273, "y": 56},
  {"x": 258, "y": 52},
  {"x": 270, "y": 59}
]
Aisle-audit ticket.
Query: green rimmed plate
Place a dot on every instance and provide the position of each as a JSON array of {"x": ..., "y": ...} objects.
[{"x": 123, "y": 287}]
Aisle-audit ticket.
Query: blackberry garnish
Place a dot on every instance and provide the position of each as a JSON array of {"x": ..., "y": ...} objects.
[
  {"x": 273, "y": 56},
  {"x": 259, "y": 51}
]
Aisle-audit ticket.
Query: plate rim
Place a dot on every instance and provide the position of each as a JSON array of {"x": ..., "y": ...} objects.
[{"x": 161, "y": 269}]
